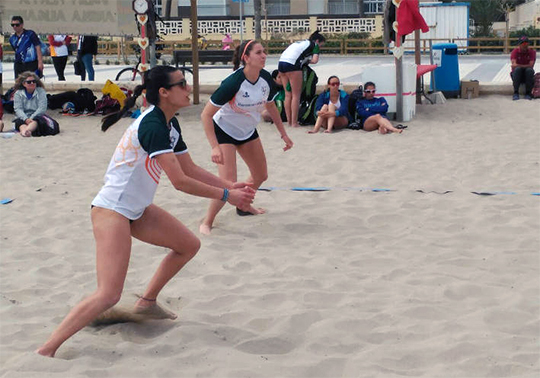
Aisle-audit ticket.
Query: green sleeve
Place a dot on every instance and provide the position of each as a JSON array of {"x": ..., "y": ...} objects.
[
  {"x": 316, "y": 49},
  {"x": 228, "y": 88}
]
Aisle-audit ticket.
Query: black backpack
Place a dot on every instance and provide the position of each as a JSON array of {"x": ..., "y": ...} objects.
[
  {"x": 306, "y": 112},
  {"x": 355, "y": 95},
  {"x": 87, "y": 99}
]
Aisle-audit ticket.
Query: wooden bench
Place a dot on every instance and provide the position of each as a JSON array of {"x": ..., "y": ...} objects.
[{"x": 205, "y": 56}]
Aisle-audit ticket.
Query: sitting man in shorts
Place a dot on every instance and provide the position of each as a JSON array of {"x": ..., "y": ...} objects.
[
  {"x": 523, "y": 59},
  {"x": 372, "y": 112}
]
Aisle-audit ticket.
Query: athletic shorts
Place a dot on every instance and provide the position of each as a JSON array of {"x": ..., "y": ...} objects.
[
  {"x": 224, "y": 138},
  {"x": 288, "y": 67}
]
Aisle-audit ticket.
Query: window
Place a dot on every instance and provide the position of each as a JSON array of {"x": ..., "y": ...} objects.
[
  {"x": 278, "y": 7},
  {"x": 158, "y": 7},
  {"x": 343, "y": 7},
  {"x": 374, "y": 6}
]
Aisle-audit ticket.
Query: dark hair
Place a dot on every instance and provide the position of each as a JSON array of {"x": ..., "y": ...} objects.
[
  {"x": 17, "y": 18},
  {"x": 332, "y": 77},
  {"x": 241, "y": 51},
  {"x": 317, "y": 36},
  {"x": 158, "y": 77},
  {"x": 369, "y": 84},
  {"x": 274, "y": 74}
]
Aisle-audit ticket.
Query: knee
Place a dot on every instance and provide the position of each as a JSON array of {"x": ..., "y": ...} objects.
[
  {"x": 109, "y": 298},
  {"x": 189, "y": 249}
]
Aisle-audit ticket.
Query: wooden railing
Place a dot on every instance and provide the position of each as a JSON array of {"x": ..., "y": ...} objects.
[{"x": 332, "y": 46}]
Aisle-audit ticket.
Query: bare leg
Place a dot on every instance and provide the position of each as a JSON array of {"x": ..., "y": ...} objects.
[
  {"x": 160, "y": 228},
  {"x": 26, "y": 130},
  {"x": 1, "y": 126},
  {"x": 113, "y": 249},
  {"x": 253, "y": 155},
  {"x": 382, "y": 124},
  {"x": 227, "y": 170},
  {"x": 295, "y": 78},
  {"x": 288, "y": 99},
  {"x": 320, "y": 121},
  {"x": 331, "y": 119}
]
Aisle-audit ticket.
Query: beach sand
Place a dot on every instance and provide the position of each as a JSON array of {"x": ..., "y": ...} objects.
[{"x": 347, "y": 282}]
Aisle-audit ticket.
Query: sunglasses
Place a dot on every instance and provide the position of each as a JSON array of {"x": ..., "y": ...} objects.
[
  {"x": 334, "y": 84},
  {"x": 369, "y": 91},
  {"x": 15, "y": 25},
  {"x": 182, "y": 84},
  {"x": 30, "y": 82}
]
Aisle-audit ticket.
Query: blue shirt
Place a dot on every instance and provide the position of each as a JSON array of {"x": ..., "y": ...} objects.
[
  {"x": 324, "y": 99},
  {"x": 25, "y": 46},
  {"x": 366, "y": 108}
]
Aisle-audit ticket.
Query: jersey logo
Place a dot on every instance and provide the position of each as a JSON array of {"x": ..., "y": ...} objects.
[
  {"x": 127, "y": 151},
  {"x": 246, "y": 95},
  {"x": 264, "y": 90},
  {"x": 153, "y": 168}
]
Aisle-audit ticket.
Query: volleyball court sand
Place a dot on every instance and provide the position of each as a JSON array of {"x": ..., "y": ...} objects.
[{"x": 340, "y": 283}]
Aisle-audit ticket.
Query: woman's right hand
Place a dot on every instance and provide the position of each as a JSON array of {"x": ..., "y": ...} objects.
[
  {"x": 217, "y": 155},
  {"x": 242, "y": 197}
]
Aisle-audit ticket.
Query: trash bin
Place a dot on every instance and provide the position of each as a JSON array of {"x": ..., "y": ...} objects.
[{"x": 446, "y": 75}]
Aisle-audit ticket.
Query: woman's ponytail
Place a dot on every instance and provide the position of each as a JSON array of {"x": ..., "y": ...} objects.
[{"x": 112, "y": 118}]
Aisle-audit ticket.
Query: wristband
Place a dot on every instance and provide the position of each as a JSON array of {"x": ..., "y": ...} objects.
[{"x": 225, "y": 195}]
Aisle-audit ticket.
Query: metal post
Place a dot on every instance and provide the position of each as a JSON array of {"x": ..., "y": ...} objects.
[
  {"x": 195, "y": 51},
  {"x": 241, "y": 22}
]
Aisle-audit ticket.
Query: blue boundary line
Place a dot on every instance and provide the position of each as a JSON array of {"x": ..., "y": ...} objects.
[{"x": 378, "y": 190}]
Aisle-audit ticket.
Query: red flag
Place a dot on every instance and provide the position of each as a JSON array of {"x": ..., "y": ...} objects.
[{"x": 409, "y": 18}]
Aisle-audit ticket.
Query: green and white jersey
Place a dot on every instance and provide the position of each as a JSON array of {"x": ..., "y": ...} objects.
[
  {"x": 241, "y": 102},
  {"x": 133, "y": 174},
  {"x": 299, "y": 53}
]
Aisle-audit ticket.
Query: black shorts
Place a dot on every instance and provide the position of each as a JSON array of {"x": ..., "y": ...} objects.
[
  {"x": 288, "y": 67},
  {"x": 224, "y": 138}
]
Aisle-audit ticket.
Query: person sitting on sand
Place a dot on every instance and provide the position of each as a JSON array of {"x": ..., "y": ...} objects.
[
  {"x": 279, "y": 100},
  {"x": 331, "y": 108},
  {"x": 123, "y": 208},
  {"x": 29, "y": 102},
  {"x": 372, "y": 112},
  {"x": 523, "y": 59}
]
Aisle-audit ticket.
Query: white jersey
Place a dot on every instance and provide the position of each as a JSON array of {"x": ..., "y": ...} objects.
[
  {"x": 241, "y": 103},
  {"x": 299, "y": 52},
  {"x": 133, "y": 174}
]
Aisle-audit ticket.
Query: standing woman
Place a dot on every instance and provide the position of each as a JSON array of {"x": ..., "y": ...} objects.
[
  {"x": 87, "y": 49},
  {"x": 59, "y": 52},
  {"x": 230, "y": 118},
  {"x": 290, "y": 66},
  {"x": 123, "y": 208},
  {"x": 332, "y": 108}
]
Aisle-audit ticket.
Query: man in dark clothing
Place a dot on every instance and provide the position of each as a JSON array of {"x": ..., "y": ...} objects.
[
  {"x": 27, "y": 47},
  {"x": 523, "y": 59}
]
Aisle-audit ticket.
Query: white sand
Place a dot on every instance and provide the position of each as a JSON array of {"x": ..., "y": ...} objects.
[{"x": 331, "y": 284}]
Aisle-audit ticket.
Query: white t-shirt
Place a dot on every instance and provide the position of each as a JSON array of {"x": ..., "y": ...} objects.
[
  {"x": 133, "y": 174},
  {"x": 299, "y": 52},
  {"x": 59, "y": 50},
  {"x": 241, "y": 102}
]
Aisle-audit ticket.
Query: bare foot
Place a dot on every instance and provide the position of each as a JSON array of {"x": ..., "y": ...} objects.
[
  {"x": 251, "y": 210},
  {"x": 295, "y": 125},
  {"x": 327, "y": 131},
  {"x": 205, "y": 229},
  {"x": 312, "y": 131},
  {"x": 152, "y": 310},
  {"x": 44, "y": 352},
  {"x": 23, "y": 130}
]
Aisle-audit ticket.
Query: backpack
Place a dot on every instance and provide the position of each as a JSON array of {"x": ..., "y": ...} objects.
[
  {"x": 7, "y": 100},
  {"x": 309, "y": 83},
  {"x": 46, "y": 126},
  {"x": 106, "y": 105},
  {"x": 355, "y": 95},
  {"x": 306, "y": 112},
  {"x": 87, "y": 99},
  {"x": 536, "y": 89},
  {"x": 58, "y": 100}
]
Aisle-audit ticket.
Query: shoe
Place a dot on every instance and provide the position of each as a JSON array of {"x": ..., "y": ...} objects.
[
  {"x": 515, "y": 97},
  {"x": 243, "y": 213},
  {"x": 401, "y": 127},
  {"x": 528, "y": 97}
]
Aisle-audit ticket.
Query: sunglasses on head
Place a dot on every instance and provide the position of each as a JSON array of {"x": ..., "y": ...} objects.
[
  {"x": 182, "y": 84},
  {"x": 370, "y": 91},
  {"x": 15, "y": 25},
  {"x": 30, "y": 82},
  {"x": 334, "y": 84}
]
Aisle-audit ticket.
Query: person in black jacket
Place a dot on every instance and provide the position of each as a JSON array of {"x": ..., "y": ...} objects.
[{"x": 87, "y": 49}]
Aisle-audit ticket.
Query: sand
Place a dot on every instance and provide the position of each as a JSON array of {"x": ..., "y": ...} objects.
[{"x": 347, "y": 282}]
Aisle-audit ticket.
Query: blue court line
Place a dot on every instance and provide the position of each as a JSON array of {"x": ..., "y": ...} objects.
[{"x": 378, "y": 190}]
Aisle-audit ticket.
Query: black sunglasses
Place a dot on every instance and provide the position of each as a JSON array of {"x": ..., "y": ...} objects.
[
  {"x": 182, "y": 84},
  {"x": 15, "y": 25},
  {"x": 30, "y": 81}
]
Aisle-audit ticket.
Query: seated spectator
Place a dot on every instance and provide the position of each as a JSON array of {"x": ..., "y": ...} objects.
[
  {"x": 372, "y": 112},
  {"x": 331, "y": 108},
  {"x": 278, "y": 99},
  {"x": 523, "y": 59},
  {"x": 30, "y": 105}
]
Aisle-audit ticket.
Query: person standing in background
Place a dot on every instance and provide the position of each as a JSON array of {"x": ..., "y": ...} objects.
[
  {"x": 87, "y": 49},
  {"x": 27, "y": 47},
  {"x": 59, "y": 53}
]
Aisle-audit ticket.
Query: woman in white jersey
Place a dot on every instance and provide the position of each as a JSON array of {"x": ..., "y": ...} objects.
[
  {"x": 123, "y": 208},
  {"x": 230, "y": 118},
  {"x": 290, "y": 66}
]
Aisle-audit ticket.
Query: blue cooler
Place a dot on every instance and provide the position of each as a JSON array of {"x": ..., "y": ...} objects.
[{"x": 446, "y": 75}]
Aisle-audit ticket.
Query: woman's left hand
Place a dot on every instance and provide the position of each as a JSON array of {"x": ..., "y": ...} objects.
[{"x": 288, "y": 142}]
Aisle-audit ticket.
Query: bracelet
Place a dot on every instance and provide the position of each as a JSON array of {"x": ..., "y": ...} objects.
[{"x": 225, "y": 195}]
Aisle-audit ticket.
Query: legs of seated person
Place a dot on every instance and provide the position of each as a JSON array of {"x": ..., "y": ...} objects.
[
  {"x": 321, "y": 121},
  {"x": 26, "y": 130},
  {"x": 378, "y": 122},
  {"x": 523, "y": 75}
]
